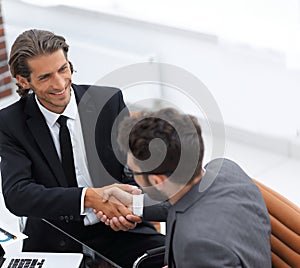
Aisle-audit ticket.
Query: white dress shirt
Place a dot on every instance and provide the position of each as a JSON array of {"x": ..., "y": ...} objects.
[{"x": 80, "y": 160}]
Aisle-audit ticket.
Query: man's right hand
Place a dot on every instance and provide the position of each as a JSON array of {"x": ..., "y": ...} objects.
[
  {"x": 124, "y": 196},
  {"x": 96, "y": 199}
]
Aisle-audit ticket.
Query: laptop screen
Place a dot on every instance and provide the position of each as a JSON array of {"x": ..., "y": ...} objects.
[{"x": 91, "y": 258}]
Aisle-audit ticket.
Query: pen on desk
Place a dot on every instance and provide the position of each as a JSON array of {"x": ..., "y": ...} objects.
[{"x": 8, "y": 234}]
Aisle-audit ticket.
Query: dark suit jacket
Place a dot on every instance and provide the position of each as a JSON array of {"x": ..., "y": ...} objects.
[
  {"x": 226, "y": 225},
  {"x": 33, "y": 180}
]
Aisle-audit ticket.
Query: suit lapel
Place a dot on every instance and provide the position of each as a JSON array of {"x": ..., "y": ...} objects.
[
  {"x": 192, "y": 196},
  {"x": 181, "y": 206},
  {"x": 98, "y": 109},
  {"x": 88, "y": 119},
  {"x": 41, "y": 133},
  {"x": 169, "y": 258}
]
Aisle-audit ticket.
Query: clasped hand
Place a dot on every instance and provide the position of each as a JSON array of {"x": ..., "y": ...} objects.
[{"x": 116, "y": 208}]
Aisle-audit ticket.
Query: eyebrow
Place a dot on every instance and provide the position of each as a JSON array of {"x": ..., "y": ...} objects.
[
  {"x": 63, "y": 66},
  {"x": 40, "y": 77},
  {"x": 48, "y": 74}
]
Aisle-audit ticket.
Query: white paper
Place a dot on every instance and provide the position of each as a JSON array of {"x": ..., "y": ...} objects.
[{"x": 9, "y": 236}]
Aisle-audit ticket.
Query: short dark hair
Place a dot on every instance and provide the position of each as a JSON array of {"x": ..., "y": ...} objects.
[
  {"x": 32, "y": 43},
  {"x": 164, "y": 124}
]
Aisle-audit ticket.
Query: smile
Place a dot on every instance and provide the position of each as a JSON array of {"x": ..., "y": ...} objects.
[{"x": 60, "y": 93}]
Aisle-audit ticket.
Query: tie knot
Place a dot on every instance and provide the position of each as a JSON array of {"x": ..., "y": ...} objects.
[{"x": 62, "y": 120}]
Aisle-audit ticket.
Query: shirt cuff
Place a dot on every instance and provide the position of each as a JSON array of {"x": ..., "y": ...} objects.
[
  {"x": 138, "y": 204},
  {"x": 83, "y": 211}
]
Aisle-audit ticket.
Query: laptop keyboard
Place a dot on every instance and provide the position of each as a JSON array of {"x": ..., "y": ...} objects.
[{"x": 26, "y": 263}]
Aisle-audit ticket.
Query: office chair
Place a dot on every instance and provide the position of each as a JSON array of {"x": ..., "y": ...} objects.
[
  {"x": 285, "y": 233},
  {"x": 151, "y": 258}
]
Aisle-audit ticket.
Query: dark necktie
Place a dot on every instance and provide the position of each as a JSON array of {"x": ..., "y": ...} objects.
[{"x": 67, "y": 158}]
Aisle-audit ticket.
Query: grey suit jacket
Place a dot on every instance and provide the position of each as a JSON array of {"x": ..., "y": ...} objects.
[{"x": 226, "y": 225}]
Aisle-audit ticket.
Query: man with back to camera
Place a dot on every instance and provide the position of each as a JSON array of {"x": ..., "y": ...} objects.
[
  {"x": 217, "y": 217},
  {"x": 37, "y": 184}
]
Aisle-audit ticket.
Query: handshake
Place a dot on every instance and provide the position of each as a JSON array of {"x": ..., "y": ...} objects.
[{"x": 113, "y": 205}]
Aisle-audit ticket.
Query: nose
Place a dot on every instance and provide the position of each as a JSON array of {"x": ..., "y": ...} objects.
[{"x": 58, "y": 82}]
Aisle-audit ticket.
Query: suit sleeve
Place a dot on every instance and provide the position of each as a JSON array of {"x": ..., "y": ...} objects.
[
  {"x": 209, "y": 254},
  {"x": 22, "y": 194},
  {"x": 155, "y": 211}
]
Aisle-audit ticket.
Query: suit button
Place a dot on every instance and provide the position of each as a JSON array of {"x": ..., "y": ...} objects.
[
  {"x": 71, "y": 217},
  {"x": 62, "y": 218},
  {"x": 62, "y": 243},
  {"x": 66, "y": 218}
]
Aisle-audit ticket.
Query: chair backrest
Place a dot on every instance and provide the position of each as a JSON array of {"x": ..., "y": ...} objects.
[{"x": 285, "y": 223}]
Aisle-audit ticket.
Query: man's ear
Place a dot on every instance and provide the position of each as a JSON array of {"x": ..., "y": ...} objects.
[
  {"x": 157, "y": 180},
  {"x": 22, "y": 81}
]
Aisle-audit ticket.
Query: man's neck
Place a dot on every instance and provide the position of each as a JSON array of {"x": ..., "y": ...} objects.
[{"x": 184, "y": 190}]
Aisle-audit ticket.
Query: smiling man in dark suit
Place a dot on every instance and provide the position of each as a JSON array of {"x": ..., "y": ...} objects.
[{"x": 35, "y": 183}]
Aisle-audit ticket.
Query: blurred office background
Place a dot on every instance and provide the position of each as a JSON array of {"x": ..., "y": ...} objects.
[{"x": 246, "y": 53}]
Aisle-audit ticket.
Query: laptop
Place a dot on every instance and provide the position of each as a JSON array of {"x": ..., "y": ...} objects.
[
  {"x": 89, "y": 258},
  {"x": 54, "y": 260},
  {"x": 42, "y": 260}
]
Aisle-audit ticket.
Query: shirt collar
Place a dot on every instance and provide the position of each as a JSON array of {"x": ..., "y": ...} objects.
[{"x": 51, "y": 117}]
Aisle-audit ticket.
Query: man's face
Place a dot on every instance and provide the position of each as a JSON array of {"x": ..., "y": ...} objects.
[
  {"x": 145, "y": 182},
  {"x": 50, "y": 80}
]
